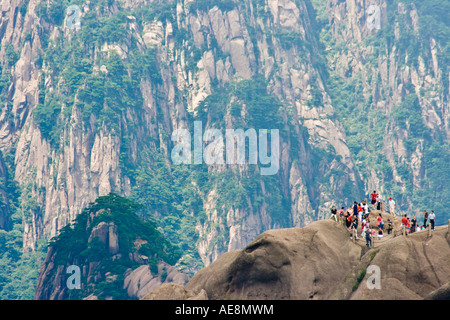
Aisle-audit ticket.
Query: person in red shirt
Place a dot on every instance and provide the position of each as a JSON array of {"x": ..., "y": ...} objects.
[
  {"x": 374, "y": 196},
  {"x": 405, "y": 221},
  {"x": 348, "y": 220}
]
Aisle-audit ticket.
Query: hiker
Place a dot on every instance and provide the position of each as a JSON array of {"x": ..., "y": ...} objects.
[
  {"x": 374, "y": 196},
  {"x": 350, "y": 210},
  {"x": 378, "y": 202},
  {"x": 341, "y": 213},
  {"x": 405, "y": 222},
  {"x": 366, "y": 209},
  {"x": 391, "y": 206},
  {"x": 413, "y": 224},
  {"x": 360, "y": 212},
  {"x": 390, "y": 226},
  {"x": 380, "y": 233},
  {"x": 368, "y": 238},
  {"x": 355, "y": 208},
  {"x": 355, "y": 227},
  {"x": 348, "y": 220},
  {"x": 432, "y": 216},
  {"x": 363, "y": 227},
  {"x": 380, "y": 221},
  {"x": 333, "y": 213},
  {"x": 425, "y": 218}
]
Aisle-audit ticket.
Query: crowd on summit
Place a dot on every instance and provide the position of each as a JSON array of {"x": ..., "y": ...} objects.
[{"x": 358, "y": 215}]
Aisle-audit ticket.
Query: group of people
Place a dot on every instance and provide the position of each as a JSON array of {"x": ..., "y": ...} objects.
[
  {"x": 358, "y": 215},
  {"x": 412, "y": 225},
  {"x": 377, "y": 201}
]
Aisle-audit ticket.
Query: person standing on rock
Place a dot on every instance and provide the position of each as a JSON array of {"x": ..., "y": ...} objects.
[
  {"x": 348, "y": 220},
  {"x": 413, "y": 224},
  {"x": 341, "y": 212},
  {"x": 366, "y": 209},
  {"x": 355, "y": 208},
  {"x": 333, "y": 213},
  {"x": 425, "y": 218},
  {"x": 374, "y": 196},
  {"x": 380, "y": 221},
  {"x": 360, "y": 212},
  {"x": 391, "y": 206},
  {"x": 406, "y": 224},
  {"x": 378, "y": 202},
  {"x": 390, "y": 226},
  {"x": 432, "y": 218},
  {"x": 368, "y": 237},
  {"x": 354, "y": 227}
]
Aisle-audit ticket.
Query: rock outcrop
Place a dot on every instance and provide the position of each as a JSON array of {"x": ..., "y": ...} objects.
[
  {"x": 172, "y": 291},
  {"x": 115, "y": 261},
  {"x": 320, "y": 261},
  {"x": 141, "y": 281}
]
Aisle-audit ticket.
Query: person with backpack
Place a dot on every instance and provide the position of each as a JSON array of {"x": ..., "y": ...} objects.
[
  {"x": 389, "y": 227},
  {"x": 432, "y": 218}
]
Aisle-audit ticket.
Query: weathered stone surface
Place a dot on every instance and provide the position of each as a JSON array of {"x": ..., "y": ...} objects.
[
  {"x": 320, "y": 261},
  {"x": 172, "y": 291},
  {"x": 141, "y": 281}
]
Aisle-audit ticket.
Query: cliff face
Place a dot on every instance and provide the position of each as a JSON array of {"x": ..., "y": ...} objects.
[
  {"x": 395, "y": 71},
  {"x": 90, "y": 110}
]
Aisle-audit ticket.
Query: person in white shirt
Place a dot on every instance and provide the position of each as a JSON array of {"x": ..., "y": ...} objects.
[
  {"x": 380, "y": 203},
  {"x": 432, "y": 216},
  {"x": 392, "y": 206},
  {"x": 366, "y": 209}
]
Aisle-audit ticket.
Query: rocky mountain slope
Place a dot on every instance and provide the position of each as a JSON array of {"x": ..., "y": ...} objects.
[
  {"x": 118, "y": 255},
  {"x": 320, "y": 261},
  {"x": 89, "y": 108}
]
